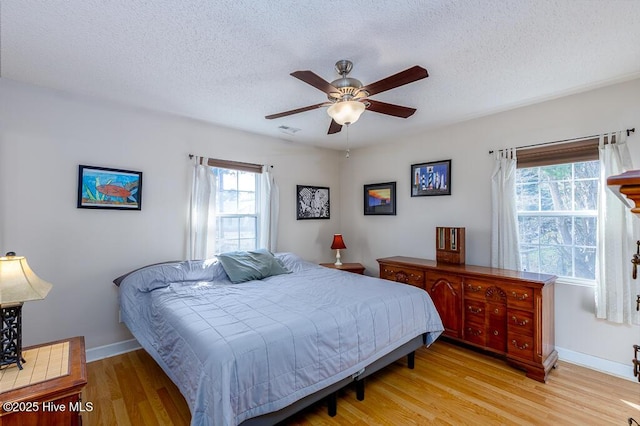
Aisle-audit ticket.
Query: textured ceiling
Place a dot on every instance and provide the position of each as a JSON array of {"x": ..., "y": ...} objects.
[{"x": 228, "y": 61}]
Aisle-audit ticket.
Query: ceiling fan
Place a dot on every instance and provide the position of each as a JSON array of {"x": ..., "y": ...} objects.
[{"x": 348, "y": 97}]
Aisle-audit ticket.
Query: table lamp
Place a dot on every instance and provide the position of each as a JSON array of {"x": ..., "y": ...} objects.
[
  {"x": 18, "y": 284},
  {"x": 337, "y": 245}
]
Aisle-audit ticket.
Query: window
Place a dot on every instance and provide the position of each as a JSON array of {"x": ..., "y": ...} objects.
[
  {"x": 557, "y": 205},
  {"x": 236, "y": 212},
  {"x": 557, "y": 218}
]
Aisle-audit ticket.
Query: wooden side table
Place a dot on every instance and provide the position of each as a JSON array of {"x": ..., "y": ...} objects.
[
  {"x": 47, "y": 390},
  {"x": 356, "y": 268}
]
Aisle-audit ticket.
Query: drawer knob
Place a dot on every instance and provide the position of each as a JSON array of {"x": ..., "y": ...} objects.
[
  {"x": 496, "y": 311},
  {"x": 474, "y": 310},
  {"x": 495, "y": 332},
  {"x": 474, "y": 289}
]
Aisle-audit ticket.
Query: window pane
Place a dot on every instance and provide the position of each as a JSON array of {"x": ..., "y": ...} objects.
[
  {"x": 528, "y": 175},
  {"x": 586, "y": 232},
  {"x": 529, "y": 229},
  {"x": 586, "y": 195},
  {"x": 556, "y": 260},
  {"x": 585, "y": 262},
  {"x": 528, "y": 197},
  {"x": 247, "y": 227},
  {"x": 246, "y": 181},
  {"x": 246, "y": 203},
  {"x": 530, "y": 256},
  {"x": 587, "y": 169},
  {"x": 228, "y": 180},
  {"x": 556, "y": 172},
  {"x": 556, "y": 195},
  {"x": 555, "y": 230},
  {"x": 228, "y": 202}
]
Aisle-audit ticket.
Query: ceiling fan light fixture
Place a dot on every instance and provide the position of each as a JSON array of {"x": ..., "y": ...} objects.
[{"x": 346, "y": 112}]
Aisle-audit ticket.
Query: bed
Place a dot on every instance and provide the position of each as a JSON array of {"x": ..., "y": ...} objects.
[{"x": 256, "y": 351}]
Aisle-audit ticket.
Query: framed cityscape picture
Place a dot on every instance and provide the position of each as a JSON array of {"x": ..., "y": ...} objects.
[
  {"x": 312, "y": 202},
  {"x": 380, "y": 199},
  {"x": 432, "y": 178},
  {"x": 103, "y": 188}
]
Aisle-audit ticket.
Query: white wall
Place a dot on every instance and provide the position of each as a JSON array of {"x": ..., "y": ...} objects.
[
  {"x": 412, "y": 231},
  {"x": 45, "y": 135}
]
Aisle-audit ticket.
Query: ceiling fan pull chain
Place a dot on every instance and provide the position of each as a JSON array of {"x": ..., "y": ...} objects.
[{"x": 348, "y": 154}]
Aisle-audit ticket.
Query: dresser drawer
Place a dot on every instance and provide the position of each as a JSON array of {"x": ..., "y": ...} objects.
[
  {"x": 520, "y": 346},
  {"x": 474, "y": 333},
  {"x": 475, "y": 289},
  {"x": 402, "y": 275},
  {"x": 520, "y": 322},
  {"x": 474, "y": 310},
  {"x": 519, "y": 297}
]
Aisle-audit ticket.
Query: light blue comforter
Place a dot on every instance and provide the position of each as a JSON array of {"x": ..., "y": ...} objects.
[{"x": 237, "y": 351}]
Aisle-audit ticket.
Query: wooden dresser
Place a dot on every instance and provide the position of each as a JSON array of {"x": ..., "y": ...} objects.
[{"x": 509, "y": 313}]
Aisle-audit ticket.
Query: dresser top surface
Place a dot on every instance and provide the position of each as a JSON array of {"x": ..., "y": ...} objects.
[{"x": 474, "y": 270}]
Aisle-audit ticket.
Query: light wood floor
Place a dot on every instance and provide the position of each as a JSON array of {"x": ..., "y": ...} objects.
[{"x": 450, "y": 385}]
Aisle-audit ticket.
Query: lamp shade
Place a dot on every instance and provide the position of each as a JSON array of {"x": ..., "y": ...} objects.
[
  {"x": 18, "y": 283},
  {"x": 338, "y": 242},
  {"x": 346, "y": 112}
]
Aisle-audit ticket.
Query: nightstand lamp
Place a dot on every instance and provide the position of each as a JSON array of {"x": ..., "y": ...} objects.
[
  {"x": 337, "y": 245},
  {"x": 18, "y": 284}
]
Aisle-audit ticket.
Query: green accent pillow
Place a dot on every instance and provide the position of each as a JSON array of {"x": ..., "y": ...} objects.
[{"x": 243, "y": 266}]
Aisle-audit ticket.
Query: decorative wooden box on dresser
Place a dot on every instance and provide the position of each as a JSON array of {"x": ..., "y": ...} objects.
[{"x": 506, "y": 312}]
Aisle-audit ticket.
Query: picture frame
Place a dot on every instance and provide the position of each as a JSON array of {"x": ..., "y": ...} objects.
[
  {"x": 433, "y": 178},
  {"x": 106, "y": 188},
  {"x": 380, "y": 199},
  {"x": 312, "y": 202}
]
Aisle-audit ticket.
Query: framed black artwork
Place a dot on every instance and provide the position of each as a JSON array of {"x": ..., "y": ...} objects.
[
  {"x": 103, "y": 188},
  {"x": 312, "y": 202},
  {"x": 380, "y": 199},
  {"x": 432, "y": 178}
]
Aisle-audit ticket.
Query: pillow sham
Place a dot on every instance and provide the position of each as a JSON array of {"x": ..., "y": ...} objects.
[{"x": 242, "y": 266}]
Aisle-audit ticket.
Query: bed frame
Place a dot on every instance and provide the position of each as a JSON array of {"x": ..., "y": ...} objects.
[{"x": 331, "y": 392}]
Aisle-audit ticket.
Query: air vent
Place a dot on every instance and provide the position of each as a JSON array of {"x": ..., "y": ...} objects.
[{"x": 288, "y": 130}]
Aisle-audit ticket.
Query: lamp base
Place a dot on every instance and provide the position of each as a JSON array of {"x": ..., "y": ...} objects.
[
  {"x": 338, "y": 262},
  {"x": 11, "y": 335}
]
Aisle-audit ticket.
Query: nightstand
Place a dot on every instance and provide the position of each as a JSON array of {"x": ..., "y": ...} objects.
[
  {"x": 47, "y": 390},
  {"x": 356, "y": 268}
]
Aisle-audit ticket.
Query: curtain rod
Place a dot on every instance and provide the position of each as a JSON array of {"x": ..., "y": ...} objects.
[
  {"x": 629, "y": 131},
  {"x": 191, "y": 158}
]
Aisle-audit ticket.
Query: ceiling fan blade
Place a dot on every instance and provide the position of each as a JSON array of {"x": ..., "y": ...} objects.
[
  {"x": 390, "y": 109},
  {"x": 294, "y": 111},
  {"x": 400, "y": 79},
  {"x": 315, "y": 80},
  {"x": 334, "y": 127}
]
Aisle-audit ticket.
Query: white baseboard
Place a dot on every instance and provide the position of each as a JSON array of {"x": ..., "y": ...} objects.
[
  {"x": 624, "y": 371},
  {"x": 106, "y": 351}
]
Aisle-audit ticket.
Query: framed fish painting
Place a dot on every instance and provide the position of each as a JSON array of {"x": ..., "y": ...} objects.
[{"x": 103, "y": 188}]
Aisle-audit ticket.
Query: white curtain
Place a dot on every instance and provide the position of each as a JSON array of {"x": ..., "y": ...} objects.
[
  {"x": 615, "y": 288},
  {"x": 269, "y": 211},
  {"x": 505, "y": 252},
  {"x": 203, "y": 190}
]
